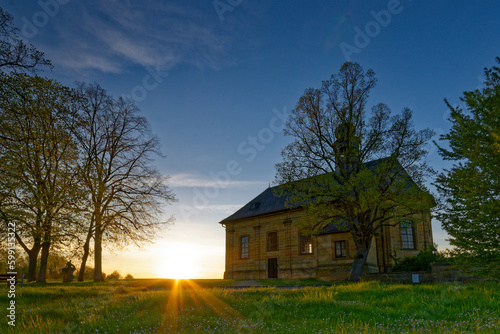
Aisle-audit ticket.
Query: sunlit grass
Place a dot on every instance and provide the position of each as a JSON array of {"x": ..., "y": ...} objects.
[{"x": 205, "y": 306}]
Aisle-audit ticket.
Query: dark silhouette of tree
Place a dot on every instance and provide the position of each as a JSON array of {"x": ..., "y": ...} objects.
[
  {"x": 14, "y": 53},
  {"x": 470, "y": 190},
  {"x": 125, "y": 192},
  {"x": 324, "y": 169}
]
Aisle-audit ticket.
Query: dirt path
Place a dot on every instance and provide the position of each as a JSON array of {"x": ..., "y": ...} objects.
[{"x": 247, "y": 283}]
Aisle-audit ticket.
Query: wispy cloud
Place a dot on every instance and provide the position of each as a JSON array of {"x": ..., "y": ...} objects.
[
  {"x": 227, "y": 209},
  {"x": 83, "y": 61},
  {"x": 109, "y": 35},
  {"x": 194, "y": 180}
]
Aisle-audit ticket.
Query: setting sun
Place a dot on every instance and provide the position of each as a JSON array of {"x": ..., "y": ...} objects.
[{"x": 179, "y": 262}]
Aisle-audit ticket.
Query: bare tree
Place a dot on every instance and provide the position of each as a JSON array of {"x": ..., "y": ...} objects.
[
  {"x": 327, "y": 168},
  {"x": 125, "y": 192},
  {"x": 38, "y": 164},
  {"x": 14, "y": 53}
]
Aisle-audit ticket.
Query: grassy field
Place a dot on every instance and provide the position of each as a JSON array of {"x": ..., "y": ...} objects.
[{"x": 205, "y": 306}]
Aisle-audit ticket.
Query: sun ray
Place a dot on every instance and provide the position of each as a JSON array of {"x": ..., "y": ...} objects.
[
  {"x": 171, "y": 315},
  {"x": 221, "y": 308},
  {"x": 175, "y": 305}
]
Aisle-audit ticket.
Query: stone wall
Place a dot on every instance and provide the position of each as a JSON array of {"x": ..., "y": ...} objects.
[
  {"x": 407, "y": 277},
  {"x": 441, "y": 272},
  {"x": 445, "y": 273}
]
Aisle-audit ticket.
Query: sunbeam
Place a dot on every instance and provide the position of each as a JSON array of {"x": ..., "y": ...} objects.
[{"x": 202, "y": 298}]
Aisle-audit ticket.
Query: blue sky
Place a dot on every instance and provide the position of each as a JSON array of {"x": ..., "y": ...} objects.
[{"x": 215, "y": 78}]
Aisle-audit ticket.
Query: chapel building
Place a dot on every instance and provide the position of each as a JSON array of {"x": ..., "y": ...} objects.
[{"x": 263, "y": 240}]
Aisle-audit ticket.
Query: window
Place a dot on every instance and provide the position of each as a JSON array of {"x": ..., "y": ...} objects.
[
  {"x": 306, "y": 246},
  {"x": 407, "y": 235},
  {"x": 244, "y": 247},
  {"x": 255, "y": 206},
  {"x": 272, "y": 241},
  {"x": 340, "y": 249}
]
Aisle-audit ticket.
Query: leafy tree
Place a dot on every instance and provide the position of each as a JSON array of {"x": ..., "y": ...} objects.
[
  {"x": 124, "y": 190},
  {"x": 324, "y": 168},
  {"x": 37, "y": 175},
  {"x": 14, "y": 53},
  {"x": 115, "y": 275},
  {"x": 470, "y": 190}
]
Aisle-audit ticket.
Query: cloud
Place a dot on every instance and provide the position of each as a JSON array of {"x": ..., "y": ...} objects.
[
  {"x": 111, "y": 35},
  {"x": 84, "y": 61},
  {"x": 194, "y": 180},
  {"x": 227, "y": 209}
]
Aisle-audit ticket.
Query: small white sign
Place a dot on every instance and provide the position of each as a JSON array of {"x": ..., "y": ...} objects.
[{"x": 415, "y": 278}]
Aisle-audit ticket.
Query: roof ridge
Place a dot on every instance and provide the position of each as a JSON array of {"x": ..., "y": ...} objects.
[{"x": 270, "y": 203}]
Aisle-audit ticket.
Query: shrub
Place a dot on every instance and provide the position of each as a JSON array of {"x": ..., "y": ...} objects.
[
  {"x": 421, "y": 262},
  {"x": 115, "y": 275}
]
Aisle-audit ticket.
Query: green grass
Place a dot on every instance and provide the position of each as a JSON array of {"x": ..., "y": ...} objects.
[
  {"x": 295, "y": 282},
  {"x": 151, "y": 306}
]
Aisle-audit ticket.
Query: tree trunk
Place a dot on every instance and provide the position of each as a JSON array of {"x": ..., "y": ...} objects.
[
  {"x": 33, "y": 257},
  {"x": 86, "y": 250},
  {"x": 42, "y": 274},
  {"x": 362, "y": 249},
  {"x": 98, "y": 253}
]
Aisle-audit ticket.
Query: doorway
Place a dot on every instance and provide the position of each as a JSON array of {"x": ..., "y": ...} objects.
[{"x": 272, "y": 268}]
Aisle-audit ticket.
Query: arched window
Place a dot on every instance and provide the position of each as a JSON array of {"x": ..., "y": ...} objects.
[
  {"x": 244, "y": 247},
  {"x": 272, "y": 241}
]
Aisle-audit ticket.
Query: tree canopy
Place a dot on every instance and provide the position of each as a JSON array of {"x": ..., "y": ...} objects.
[
  {"x": 38, "y": 163},
  {"x": 76, "y": 164},
  {"x": 470, "y": 189},
  {"x": 124, "y": 190},
  {"x": 348, "y": 169},
  {"x": 14, "y": 53}
]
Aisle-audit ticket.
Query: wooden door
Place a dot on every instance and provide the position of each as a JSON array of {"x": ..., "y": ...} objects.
[{"x": 272, "y": 268}]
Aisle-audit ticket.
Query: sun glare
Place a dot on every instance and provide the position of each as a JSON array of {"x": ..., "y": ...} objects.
[{"x": 180, "y": 262}]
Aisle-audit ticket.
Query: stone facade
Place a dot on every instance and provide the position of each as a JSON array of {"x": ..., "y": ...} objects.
[{"x": 249, "y": 254}]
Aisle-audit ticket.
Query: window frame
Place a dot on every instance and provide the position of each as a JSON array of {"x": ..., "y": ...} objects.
[
  {"x": 272, "y": 242},
  {"x": 342, "y": 249},
  {"x": 303, "y": 244},
  {"x": 244, "y": 246},
  {"x": 407, "y": 235}
]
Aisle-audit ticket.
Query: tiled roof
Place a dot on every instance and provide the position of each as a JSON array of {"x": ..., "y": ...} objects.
[{"x": 267, "y": 202}]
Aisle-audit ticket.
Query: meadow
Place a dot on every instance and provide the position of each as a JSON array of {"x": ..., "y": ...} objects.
[{"x": 208, "y": 306}]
